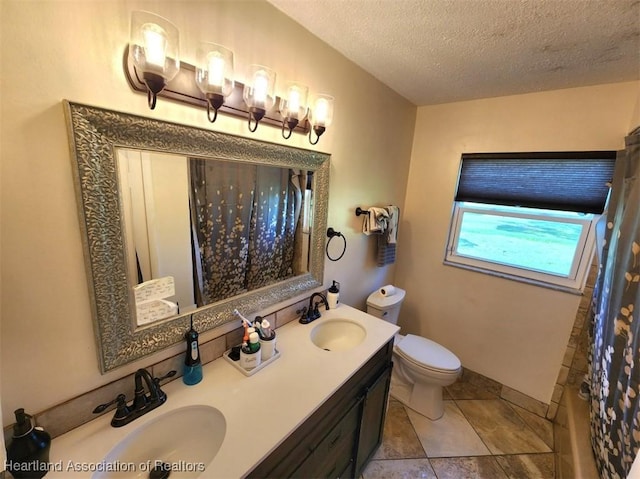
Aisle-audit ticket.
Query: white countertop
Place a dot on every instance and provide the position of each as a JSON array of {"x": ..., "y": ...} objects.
[{"x": 291, "y": 388}]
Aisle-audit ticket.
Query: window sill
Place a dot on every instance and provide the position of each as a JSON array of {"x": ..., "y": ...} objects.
[{"x": 513, "y": 277}]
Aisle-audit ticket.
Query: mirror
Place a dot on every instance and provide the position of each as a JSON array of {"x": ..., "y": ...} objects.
[
  {"x": 201, "y": 230},
  {"x": 203, "y": 163}
]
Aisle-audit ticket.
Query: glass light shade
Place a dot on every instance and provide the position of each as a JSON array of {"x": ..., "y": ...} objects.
[
  {"x": 214, "y": 69},
  {"x": 321, "y": 111},
  {"x": 294, "y": 102},
  {"x": 154, "y": 45},
  {"x": 259, "y": 91}
]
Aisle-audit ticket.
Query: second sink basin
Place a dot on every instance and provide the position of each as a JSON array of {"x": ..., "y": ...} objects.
[
  {"x": 184, "y": 441},
  {"x": 337, "y": 334}
]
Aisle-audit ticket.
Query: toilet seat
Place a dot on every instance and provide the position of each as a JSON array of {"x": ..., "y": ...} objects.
[{"x": 427, "y": 354}]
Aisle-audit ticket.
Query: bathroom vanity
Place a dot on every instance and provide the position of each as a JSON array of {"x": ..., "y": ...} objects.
[{"x": 312, "y": 412}]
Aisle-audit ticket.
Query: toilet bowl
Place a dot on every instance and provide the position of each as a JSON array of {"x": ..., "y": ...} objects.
[{"x": 422, "y": 367}]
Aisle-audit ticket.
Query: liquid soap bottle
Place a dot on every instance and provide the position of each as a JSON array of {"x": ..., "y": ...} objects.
[
  {"x": 28, "y": 453},
  {"x": 333, "y": 295},
  {"x": 192, "y": 373}
]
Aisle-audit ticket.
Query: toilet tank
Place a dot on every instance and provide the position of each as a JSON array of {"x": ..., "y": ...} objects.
[{"x": 385, "y": 307}]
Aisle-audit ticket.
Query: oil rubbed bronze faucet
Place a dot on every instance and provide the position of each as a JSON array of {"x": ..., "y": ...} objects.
[
  {"x": 312, "y": 313},
  {"x": 142, "y": 403}
]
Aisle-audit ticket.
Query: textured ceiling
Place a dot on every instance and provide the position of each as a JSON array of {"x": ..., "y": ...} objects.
[{"x": 439, "y": 51}]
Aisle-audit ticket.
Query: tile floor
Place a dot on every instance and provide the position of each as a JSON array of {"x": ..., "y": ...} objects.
[{"x": 480, "y": 436}]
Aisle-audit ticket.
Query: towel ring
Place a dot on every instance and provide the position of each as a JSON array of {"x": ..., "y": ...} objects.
[{"x": 331, "y": 233}]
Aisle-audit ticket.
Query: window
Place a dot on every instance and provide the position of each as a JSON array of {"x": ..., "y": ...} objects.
[{"x": 529, "y": 216}]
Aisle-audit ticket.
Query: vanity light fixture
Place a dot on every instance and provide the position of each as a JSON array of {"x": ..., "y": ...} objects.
[
  {"x": 293, "y": 107},
  {"x": 320, "y": 116},
  {"x": 259, "y": 93},
  {"x": 152, "y": 66},
  {"x": 155, "y": 51},
  {"x": 214, "y": 75}
]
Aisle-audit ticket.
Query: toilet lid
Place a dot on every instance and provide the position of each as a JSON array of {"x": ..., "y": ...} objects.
[{"x": 428, "y": 353}]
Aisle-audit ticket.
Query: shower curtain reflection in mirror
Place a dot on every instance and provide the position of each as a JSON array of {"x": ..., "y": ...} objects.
[
  {"x": 244, "y": 223},
  {"x": 215, "y": 228}
]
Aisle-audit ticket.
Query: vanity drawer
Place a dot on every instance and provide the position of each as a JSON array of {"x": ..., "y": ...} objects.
[
  {"x": 332, "y": 456},
  {"x": 339, "y": 464}
]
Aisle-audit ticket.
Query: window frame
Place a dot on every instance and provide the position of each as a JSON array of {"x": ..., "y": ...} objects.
[
  {"x": 581, "y": 262},
  {"x": 547, "y": 186}
]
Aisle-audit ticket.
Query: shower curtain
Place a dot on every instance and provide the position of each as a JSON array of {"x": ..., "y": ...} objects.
[
  {"x": 614, "y": 371},
  {"x": 243, "y": 227},
  {"x": 272, "y": 227}
]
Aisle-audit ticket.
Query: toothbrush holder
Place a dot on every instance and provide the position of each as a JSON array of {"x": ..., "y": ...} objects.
[
  {"x": 250, "y": 360},
  {"x": 268, "y": 346}
]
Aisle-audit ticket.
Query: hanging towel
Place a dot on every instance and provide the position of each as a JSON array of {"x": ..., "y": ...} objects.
[
  {"x": 386, "y": 251},
  {"x": 376, "y": 221},
  {"x": 387, "y": 241},
  {"x": 392, "y": 226}
]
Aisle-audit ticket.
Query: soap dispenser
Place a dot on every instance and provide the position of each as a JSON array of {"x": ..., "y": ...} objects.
[
  {"x": 28, "y": 453},
  {"x": 333, "y": 295},
  {"x": 192, "y": 373}
]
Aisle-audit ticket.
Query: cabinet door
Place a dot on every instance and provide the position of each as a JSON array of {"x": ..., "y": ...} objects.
[{"x": 373, "y": 413}]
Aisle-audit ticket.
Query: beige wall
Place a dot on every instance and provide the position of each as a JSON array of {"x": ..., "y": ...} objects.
[
  {"x": 512, "y": 332},
  {"x": 55, "y": 50}
]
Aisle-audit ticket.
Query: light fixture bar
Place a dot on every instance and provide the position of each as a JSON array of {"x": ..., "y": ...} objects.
[{"x": 183, "y": 89}]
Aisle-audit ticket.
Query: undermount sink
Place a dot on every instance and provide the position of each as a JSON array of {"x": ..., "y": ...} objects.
[
  {"x": 183, "y": 441},
  {"x": 337, "y": 334}
]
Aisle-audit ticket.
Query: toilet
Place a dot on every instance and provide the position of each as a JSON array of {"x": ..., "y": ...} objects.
[{"x": 421, "y": 367}]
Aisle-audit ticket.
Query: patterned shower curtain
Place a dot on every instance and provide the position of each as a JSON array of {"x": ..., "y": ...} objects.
[
  {"x": 273, "y": 227},
  {"x": 614, "y": 370},
  {"x": 243, "y": 227}
]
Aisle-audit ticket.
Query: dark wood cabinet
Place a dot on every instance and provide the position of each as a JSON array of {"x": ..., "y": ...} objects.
[
  {"x": 374, "y": 408},
  {"x": 342, "y": 435}
]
